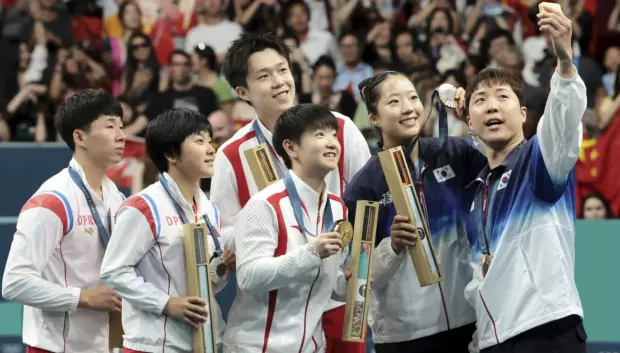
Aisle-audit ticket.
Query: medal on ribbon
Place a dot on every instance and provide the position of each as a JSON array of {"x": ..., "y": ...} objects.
[
  {"x": 345, "y": 230},
  {"x": 486, "y": 263}
]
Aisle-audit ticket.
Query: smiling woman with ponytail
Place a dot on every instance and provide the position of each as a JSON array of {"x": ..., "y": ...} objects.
[{"x": 435, "y": 318}]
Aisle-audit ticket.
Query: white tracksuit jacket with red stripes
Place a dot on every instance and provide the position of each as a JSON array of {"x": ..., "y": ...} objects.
[
  {"x": 57, "y": 252},
  {"x": 233, "y": 184},
  {"x": 145, "y": 264},
  {"x": 284, "y": 286}
]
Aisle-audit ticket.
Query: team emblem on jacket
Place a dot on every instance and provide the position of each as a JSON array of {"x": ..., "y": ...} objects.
[
  {"x": 503, "y": 181},
  {"x": 444, "y": 173},
  {"x": 90, "y": 231}
]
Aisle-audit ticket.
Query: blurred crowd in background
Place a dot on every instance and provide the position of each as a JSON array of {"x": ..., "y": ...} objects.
[{"x": 160, "y": 54}]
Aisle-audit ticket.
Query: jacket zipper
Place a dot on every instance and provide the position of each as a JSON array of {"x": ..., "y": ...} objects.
[
  {"x": 303, "y": 337},
  {"x": 423, "y": 206},
  {"x": 490, "y": 316}
]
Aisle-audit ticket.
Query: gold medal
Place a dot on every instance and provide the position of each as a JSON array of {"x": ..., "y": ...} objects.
[
  {"x": 486, "y": 263},
  {"x": 345, "y": 230}
]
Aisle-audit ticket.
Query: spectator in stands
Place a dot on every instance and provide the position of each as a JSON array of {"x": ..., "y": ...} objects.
[
  {"x": 181, "y": 91},
  {"x": 324, "y": 73},
  {"x": 597, "y": 168},
  {"x": 408, "y": 57},
  {"x": 127, "y": 23},
  {"x": 611, "y": 63},
  {"x": 82, "y": 70},
  {"x": 314, "y": 42},
  {"x": 55, "y": 19},
  {"x": 377, "y": 50},
  {"x": 25, "y": 111},
  {"x": 206, "y": 69},
  {"x": 358, "y": 16},
  {"x": 492, "y": 45},
  {"x": 443, "y": 49},
  {"x": 582, "y": 21},
  {"x": 422, "y": 18},
  {"x": 595, "y": 206},
  {"x": 213, "y": 28},
  {"x": 489, "y": 16},
  {"x": 222, "y": 126},
  {"x": 354, "y": 70},
  {"x": 140, "y": 80},
  {"x": 589, "y": 70},
  {"x": 510, "y": 59},
  {"x": 300, "y": 68},
  {"x": 256, "y": 15}
]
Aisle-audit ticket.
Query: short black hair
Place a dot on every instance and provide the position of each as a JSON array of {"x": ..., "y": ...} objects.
[
  {"x": 370, "y": 89},
  {"x": 289, "y": 34},
  {"x": 286, "y": 10},
  {"x": 296, "y": 121},
  {"x": 235, "y": 64},
  {"x": 324, "y": 60},
  {"x": 609, "y": 213},
  {"x": 495, "y": 76},
  {"x": 178, "y": 52},
  {"x": 81, "y": 109},
  {"x": 348, "y": 33},
  {"x": 166, "y": 133},
  {"x": 207, "y": 53}
]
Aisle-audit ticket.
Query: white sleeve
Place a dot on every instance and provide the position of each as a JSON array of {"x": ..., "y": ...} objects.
[
  {"x": 39, "y": 233},
  {"x": 356, "y": 150},
  {"x": 471, "y": 290},
  {"x": 256, "y": 236},
  {"x": 38, "y": 64},
  {"x": 190, "y": 41},
  {"x": 340, "y": 291},
  {"x": 471, "y": 296},
  {"x": 132, "y": 238},
  {"x": 385, "y": 263},
  {"x": 560, "y": 133},
  {"x": 225, "y": 196}
]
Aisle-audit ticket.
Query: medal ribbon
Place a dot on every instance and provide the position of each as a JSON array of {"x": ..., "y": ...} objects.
[
  {"x": 262, "y": 140},
  {"x": 102, "y": 230},
  {"x": 214, "y": 234},
  {"x": 481, "y": 207},
  {"x": 328, "y": 222},
  {"x": 417, "y": 178}
]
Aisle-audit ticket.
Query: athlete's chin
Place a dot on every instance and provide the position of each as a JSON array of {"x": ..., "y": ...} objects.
[
  {"x": 326, "y": 166},
  {"x": 410, "y": 133},
  {"x": 206, "y": 171},
  {"x": 496, "y": 142},
  {"x": 114, "y": 159}
]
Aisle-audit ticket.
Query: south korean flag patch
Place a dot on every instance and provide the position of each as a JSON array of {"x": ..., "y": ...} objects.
[
  {"x": 444, "y": 173},
  {"x": 503, "y": 181}
]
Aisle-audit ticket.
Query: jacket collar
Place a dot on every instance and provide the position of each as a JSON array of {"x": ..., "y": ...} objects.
[
  {"x": 508, "y": 163},
  {"x": 175, "y": 193},
  {"x": 107, "y": 186},
  {"x": 312, "y": 200},
  {"x": 268, "y": 135}
]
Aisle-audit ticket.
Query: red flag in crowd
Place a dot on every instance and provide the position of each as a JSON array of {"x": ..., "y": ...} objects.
[
  {"x": 123, "y": 173},
  {"x": 598, "y": 168}
]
